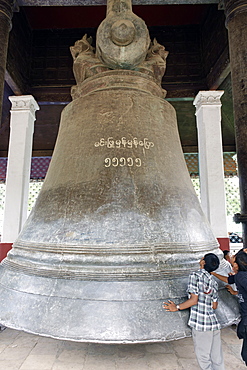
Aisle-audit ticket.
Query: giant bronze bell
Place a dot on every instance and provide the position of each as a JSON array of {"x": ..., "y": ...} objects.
[{"x": 117, "y": 226}]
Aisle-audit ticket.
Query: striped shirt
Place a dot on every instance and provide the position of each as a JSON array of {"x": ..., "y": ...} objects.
[{"x": 202, "y": 315}]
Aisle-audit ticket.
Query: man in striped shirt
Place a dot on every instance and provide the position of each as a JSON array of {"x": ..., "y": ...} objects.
[{"x": 203, "y": 296}]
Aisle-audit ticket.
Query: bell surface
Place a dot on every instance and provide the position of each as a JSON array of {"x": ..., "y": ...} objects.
[{"x": 117, "y": 226}]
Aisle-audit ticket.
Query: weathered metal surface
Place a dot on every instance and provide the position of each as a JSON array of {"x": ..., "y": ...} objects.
[
  {"x": 117, "y": 226},
  {"x": 115, "y": 230}
]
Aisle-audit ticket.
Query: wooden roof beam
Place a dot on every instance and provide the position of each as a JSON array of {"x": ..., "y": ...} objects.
[{"x": 103, "y": 2}]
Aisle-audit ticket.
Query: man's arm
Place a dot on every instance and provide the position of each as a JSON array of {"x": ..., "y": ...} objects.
[
  {"x": 220, "y": 277},
  {"x": 232, "y": 291},
  {"x": 226, "y": 279},
  {"x": 172, "y": 307}
]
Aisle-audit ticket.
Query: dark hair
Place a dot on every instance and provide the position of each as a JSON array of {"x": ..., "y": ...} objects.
[
  {"x": 211, "y": 262},
  {"x": 241, "y": 261},
  {"x": 226, "y": 253}
]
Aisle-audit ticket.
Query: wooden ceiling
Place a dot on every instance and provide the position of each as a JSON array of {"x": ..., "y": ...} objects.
[{"x": 91, "y": 16}]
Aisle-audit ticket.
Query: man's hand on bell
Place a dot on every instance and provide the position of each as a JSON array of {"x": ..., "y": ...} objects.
[{"x": 170, "y": 306}]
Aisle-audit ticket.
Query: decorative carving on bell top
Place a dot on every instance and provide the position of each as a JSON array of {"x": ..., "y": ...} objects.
[
  {"x": 122, "y": 37},
  {"x": 155, "y": 61},
  {"x": 122, "y": 43},
  {"x": 6, "y": 8},
  {"x": 234, "y": 7},
  {"x": 87, "y": 64}
]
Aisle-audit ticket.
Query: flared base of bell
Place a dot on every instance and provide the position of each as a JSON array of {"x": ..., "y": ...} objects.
[{"x": 100, "y": 312}]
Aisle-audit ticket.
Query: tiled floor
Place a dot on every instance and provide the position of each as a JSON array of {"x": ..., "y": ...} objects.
[{"x": 22, "y": 351}]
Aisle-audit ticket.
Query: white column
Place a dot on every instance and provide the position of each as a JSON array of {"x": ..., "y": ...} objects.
[
  {"x": 19, "y": 165},
  {"x": 211, "y": 166}
]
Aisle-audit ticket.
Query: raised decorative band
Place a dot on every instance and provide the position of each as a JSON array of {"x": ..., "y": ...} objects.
[
  {"x": 234, "y": 7},
  {"x": 6, "y": 8}
]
